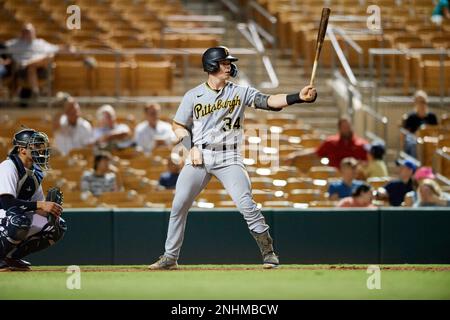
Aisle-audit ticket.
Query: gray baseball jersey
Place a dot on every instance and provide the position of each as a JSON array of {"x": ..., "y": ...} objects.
[{"x": 215, "y": 117}]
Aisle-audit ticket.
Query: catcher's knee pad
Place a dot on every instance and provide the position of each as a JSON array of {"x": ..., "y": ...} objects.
[
  {"x": 54, "y": 230},
  {"x": 17, "y": 225},
  {"x": 49, "y": 235},
  {"x": 60, "y": 229}
]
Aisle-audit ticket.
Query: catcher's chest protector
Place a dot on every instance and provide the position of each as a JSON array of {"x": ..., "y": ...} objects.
[{"x": 29, "y": 181}]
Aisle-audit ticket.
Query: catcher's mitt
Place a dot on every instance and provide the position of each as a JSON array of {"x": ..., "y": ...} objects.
[{"x": 55, "y": 195}]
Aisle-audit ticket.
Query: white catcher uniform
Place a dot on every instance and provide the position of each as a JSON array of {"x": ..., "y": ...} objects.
[{"x": 216, "y": 120}]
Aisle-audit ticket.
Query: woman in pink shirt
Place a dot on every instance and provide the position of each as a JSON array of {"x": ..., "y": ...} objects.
[{"x": 361, "y": 198}]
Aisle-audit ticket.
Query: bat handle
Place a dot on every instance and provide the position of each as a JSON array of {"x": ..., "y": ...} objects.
[{"x": 313, "y": 73}]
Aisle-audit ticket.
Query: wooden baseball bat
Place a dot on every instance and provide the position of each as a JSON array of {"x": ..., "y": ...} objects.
[{"x": 320, "y": 37}]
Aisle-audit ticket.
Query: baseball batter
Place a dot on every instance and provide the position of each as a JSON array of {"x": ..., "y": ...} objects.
[
  {"x": 26, "y": 225},
  {"x": 210, "y": 121}
]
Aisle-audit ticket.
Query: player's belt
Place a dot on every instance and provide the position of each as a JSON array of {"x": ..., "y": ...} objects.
[{"x": 223, "y": 147}]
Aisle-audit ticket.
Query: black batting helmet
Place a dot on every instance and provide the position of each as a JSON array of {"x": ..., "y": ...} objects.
[
  {"x": 212, "y": 56},
  {"x": 37, "y": 142}
]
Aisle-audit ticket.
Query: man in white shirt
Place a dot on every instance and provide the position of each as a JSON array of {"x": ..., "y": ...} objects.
[
  {"x": 109, "y": 134},
  {"x": 153, "y": 132},
  {"x": 31, "y": 56},
  {"x": 71, "y": 130}
]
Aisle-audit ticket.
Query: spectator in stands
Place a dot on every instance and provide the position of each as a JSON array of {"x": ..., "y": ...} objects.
[
  {"x": 412, "y": 197},
  {"x": 413, "y": 121},
  {"x": 375, "y": 167},
  {"x": 102, "y": 178},
  {"x": 342, "y": 145},
  {"x": 5, "y": 63},
  {"x": 441, "y": 11},
  {"x": 346, "y": 186},
  {"x": 31, "y": 58},
  {"x": 169, "y": 178},
  {"x": 361, "y": 198},
  {"x": 395, "y": 191},
  {"x": 110, "y": 134},
  {"x": 153, "y": 132},
  {"x": 71, "y": 130},
  {"x": 430, "y": 195}
]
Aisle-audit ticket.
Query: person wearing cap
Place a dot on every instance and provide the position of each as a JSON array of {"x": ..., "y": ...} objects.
[
  {"x": 345, "y": 187},
  {"x": 109, "y": 134},
  {"x": 376, "y": 167},
  {"x": 441, "y": 12},
  {"x": 414, "y": 120},
  {"x": 395, "y": 191},
  {"x": 412, "y": 197},
  {"x": 153, "y": 132},
  {"x": 430, "y": 195}
]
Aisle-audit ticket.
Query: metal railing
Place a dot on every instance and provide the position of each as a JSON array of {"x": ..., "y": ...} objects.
[
  {"x": 249, "y": 31},
  {"x": 234, "y": 8},
  {"x": 184, "y": 53},
  {"x": 341, "y": 56},
  {"x": 351, "y": 44},
  {"x": 353, "y": 85},
  {"x": 441, "y": 154},
  {"x": 269, "y": 35}
]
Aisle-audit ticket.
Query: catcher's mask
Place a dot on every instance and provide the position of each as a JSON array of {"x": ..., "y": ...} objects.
[{"x": 37, "y": 143}]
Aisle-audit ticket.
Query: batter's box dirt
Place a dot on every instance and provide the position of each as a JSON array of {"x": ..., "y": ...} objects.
[{"x": 433, "y": 268}]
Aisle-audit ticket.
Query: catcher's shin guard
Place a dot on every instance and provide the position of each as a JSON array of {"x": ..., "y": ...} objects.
[
  {"x": 13, "y": 230},
  {"x": 5, "y": 246},
  {"x": 265, "y": 244},
  {"x": 47, "y": 237}
]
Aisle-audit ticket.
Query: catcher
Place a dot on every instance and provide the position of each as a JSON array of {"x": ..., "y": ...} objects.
[{"x": 28, "y": 222}]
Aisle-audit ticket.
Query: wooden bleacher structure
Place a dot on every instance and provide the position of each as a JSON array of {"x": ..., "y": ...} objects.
[
  {"x": 109, "y": 26},
  {"x": 286, "y": 186},
  {"x": 404, "y": 26}
]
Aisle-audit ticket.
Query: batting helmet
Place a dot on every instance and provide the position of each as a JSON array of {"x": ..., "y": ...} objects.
[
  {"x": 213, "y": 56},
  {"x": 37, "y": 142}
]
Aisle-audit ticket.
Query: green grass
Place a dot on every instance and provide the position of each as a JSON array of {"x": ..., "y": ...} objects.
[{"x": 287, "y": 282}]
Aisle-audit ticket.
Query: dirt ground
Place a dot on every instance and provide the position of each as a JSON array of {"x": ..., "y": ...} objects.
[{"x": 433, "y": 268}]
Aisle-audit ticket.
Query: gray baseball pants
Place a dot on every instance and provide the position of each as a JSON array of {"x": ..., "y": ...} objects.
[{"x": 228, "y": 168}]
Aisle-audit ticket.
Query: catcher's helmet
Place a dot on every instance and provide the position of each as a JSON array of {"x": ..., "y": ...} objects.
[
  {"x": 212, "y": 56},
  {"x": 37, "y": 142}
]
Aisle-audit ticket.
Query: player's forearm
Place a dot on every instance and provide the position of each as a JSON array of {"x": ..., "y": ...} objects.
[
  {"x": 180, "y": 131},
  {"x": 8, "y": 201},
  {"x": 277, "y": 101}
]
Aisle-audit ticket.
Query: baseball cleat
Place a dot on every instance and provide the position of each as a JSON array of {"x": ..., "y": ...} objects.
[
  {"x": 271, "y": 261},
  {"x": 164, "y": 263},
  {"x": 18, "y": 264},
  {"x": 265, "y": 244},
  {"x": 3, "y": 266}
]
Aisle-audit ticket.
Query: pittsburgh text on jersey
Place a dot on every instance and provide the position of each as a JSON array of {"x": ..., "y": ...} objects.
[{"x": 201, "y": 110}]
